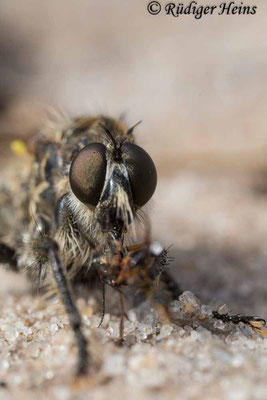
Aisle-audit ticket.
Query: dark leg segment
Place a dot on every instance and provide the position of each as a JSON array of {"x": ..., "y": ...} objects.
[
  {"x": 172, "y": 285},
  {"x": 122, "y": 316},
  {"x": 103, "y": 304},
  {"x": 73, "y": 313},
  {"x": 236, "y": 319},
  {"x": 8, "y": 256}
]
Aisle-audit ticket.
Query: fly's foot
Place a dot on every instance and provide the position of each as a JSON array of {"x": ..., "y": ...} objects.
[
  {"x": 83, "y": 362},
  {"x": 120, "y": 342},
  {"x": 258, "y": 324},
  {"x": 8, "y": 256}
]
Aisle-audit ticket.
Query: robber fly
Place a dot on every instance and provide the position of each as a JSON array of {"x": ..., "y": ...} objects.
[{"x": 87, "y": 185}]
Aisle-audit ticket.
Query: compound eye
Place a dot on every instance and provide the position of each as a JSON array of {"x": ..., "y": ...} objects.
[
  {"x": 142, "y": 172},
  {"x": 87, "y": 173}
]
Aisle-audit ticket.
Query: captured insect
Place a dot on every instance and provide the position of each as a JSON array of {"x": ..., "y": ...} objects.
[{"x": 86, "y": 187}]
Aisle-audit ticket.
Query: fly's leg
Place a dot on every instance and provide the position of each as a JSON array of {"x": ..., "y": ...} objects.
[
  {"x": 256, "y": 323},
  {"x": 103, "y": 304},
  {"x": 8, "y": 256},
  {"x": 160, "y": 270},
  {"x": 120, "y": 342},
  {"x": 157, "y": 265},
  {"x": 172, "y": 285},
  {"x": 52, "y": 250}
]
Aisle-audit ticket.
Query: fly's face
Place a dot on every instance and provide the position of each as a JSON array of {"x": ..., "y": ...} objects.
[{"x": 114, "y": 180}]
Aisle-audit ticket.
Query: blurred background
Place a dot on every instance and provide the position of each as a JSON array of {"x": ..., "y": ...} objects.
[{"x": 200, "y": 88}]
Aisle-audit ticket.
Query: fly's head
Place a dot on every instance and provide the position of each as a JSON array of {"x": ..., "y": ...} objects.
[{"x": 113, "y": 179}]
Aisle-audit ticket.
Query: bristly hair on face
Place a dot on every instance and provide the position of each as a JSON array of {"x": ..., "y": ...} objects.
[{"x": 117, "y": 144}]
